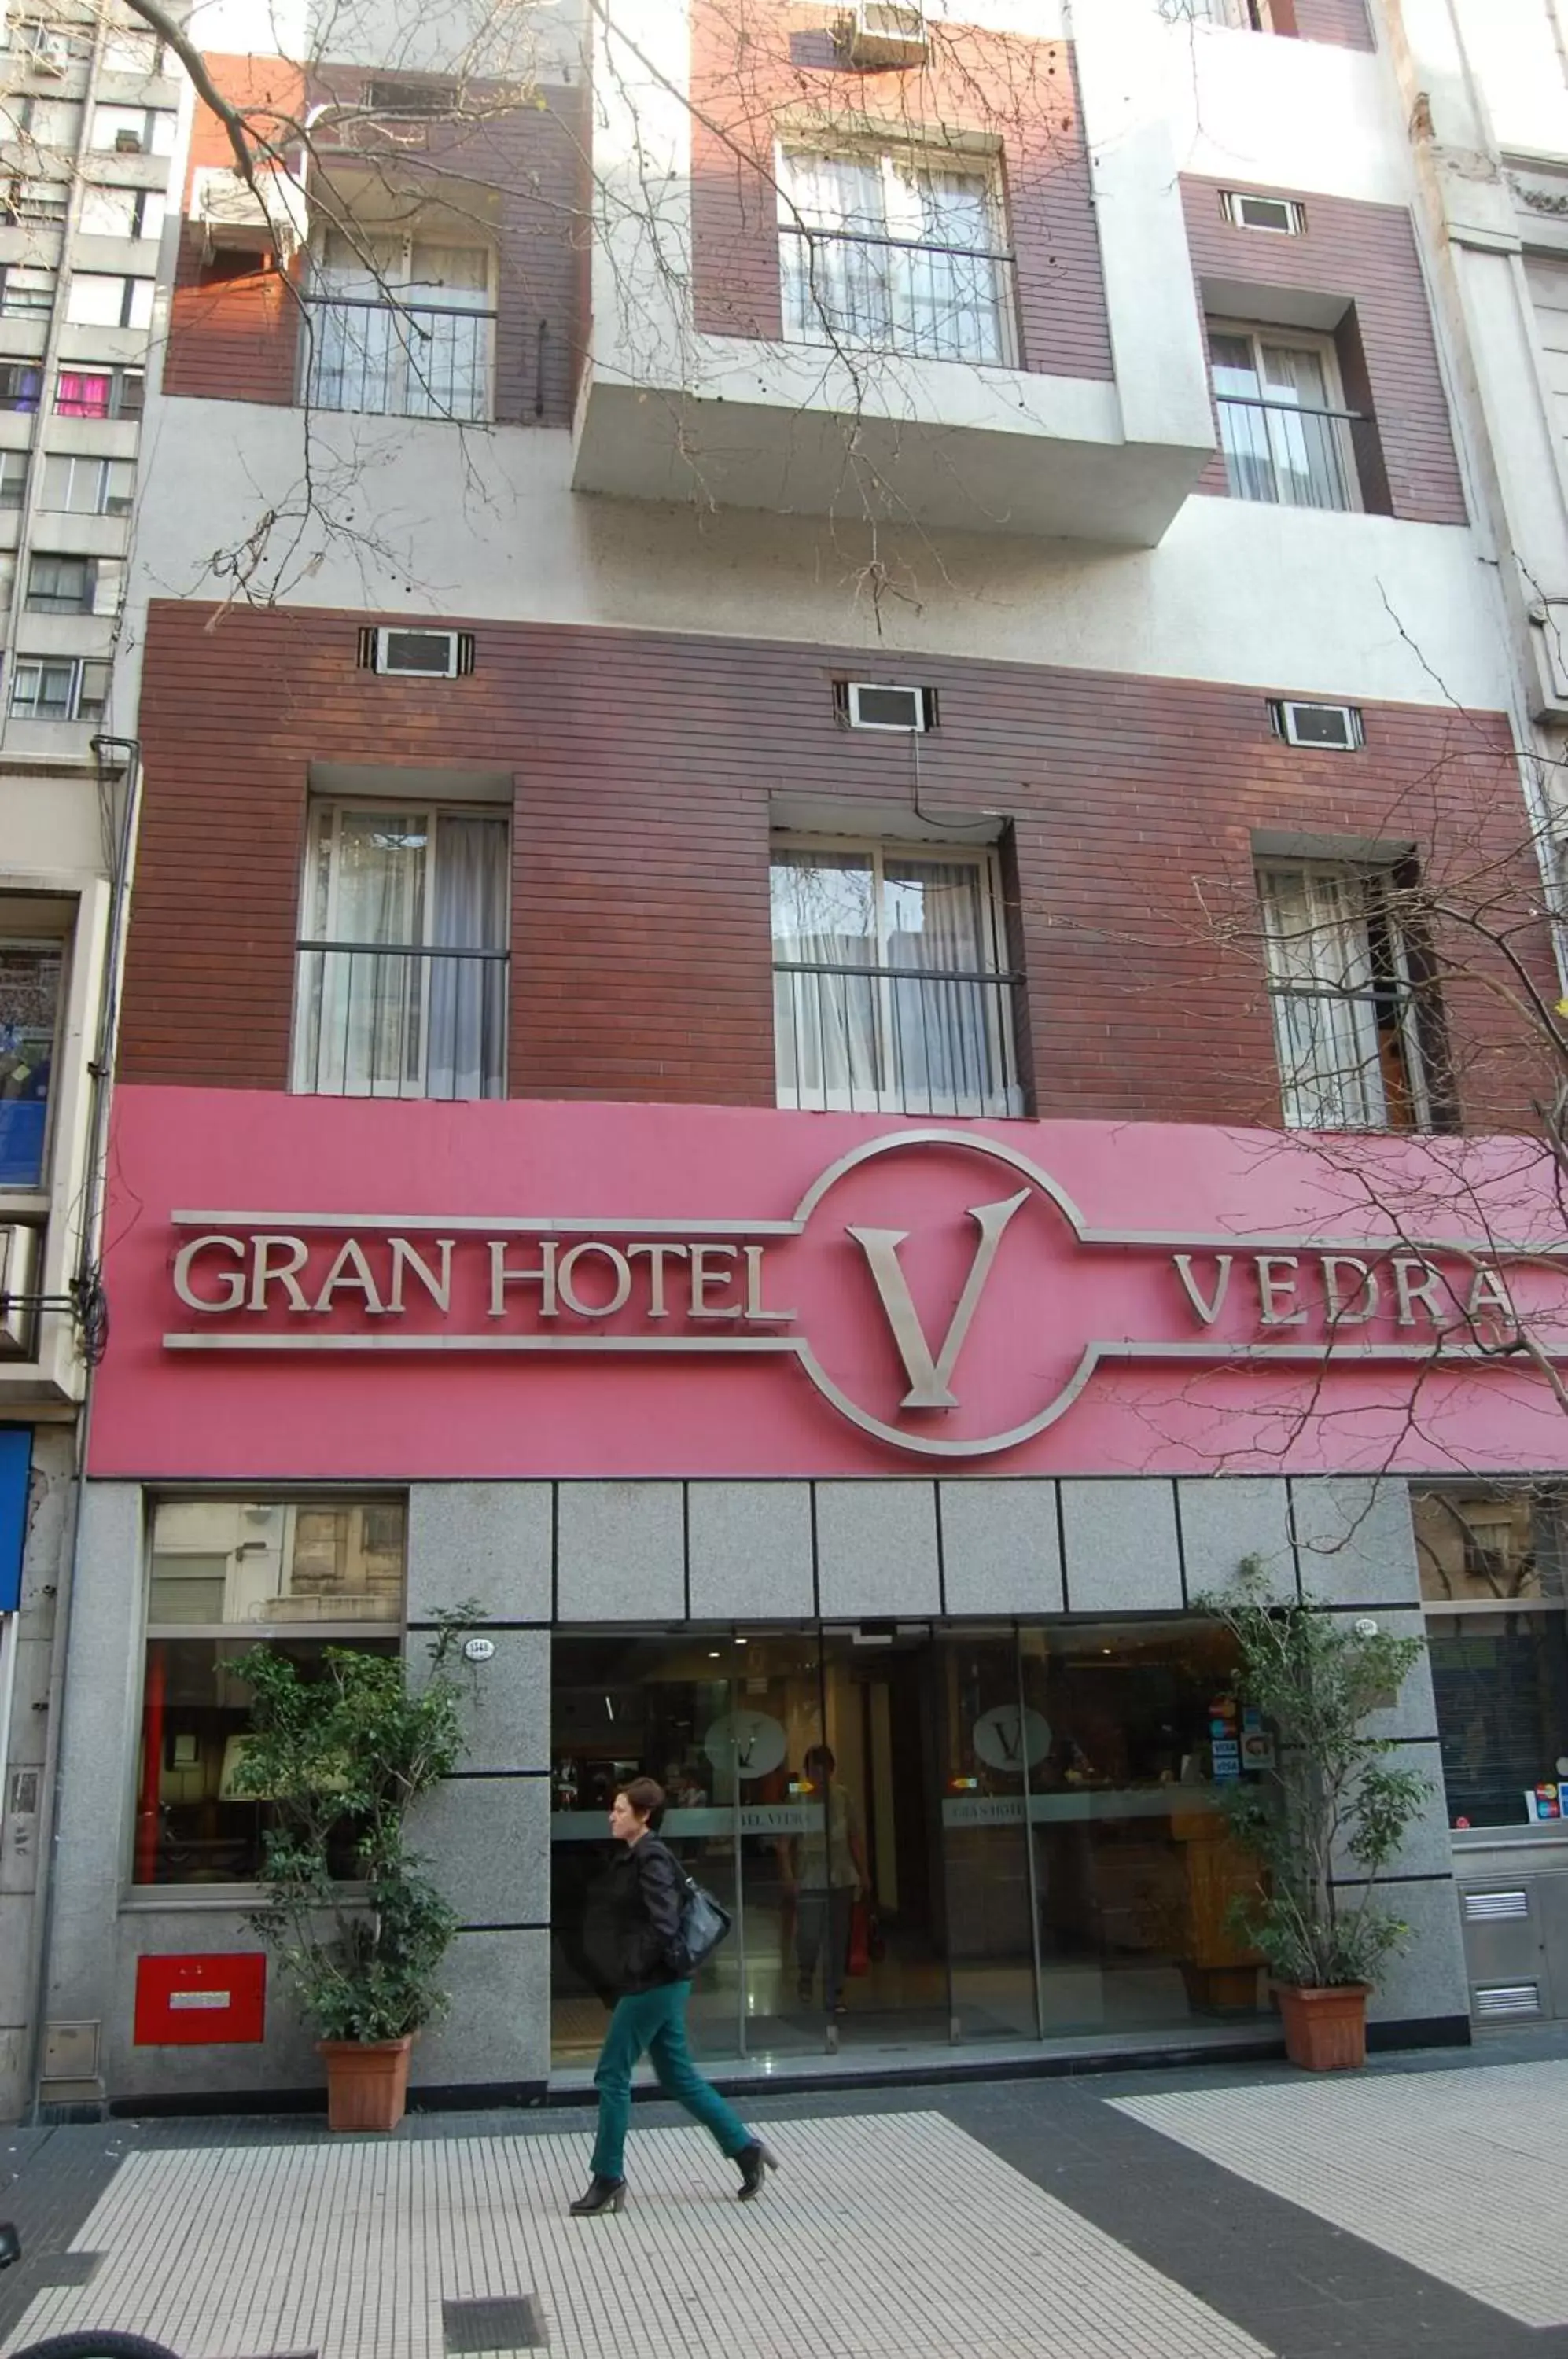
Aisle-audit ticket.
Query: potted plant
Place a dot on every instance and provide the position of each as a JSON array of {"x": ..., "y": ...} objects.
[
  {"x": 1331, "y": 1798},
  {"x": 358, "y": 1931}
]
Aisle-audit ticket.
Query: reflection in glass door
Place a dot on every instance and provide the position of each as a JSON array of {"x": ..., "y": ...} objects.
[{"x": 985, "y": 1835}]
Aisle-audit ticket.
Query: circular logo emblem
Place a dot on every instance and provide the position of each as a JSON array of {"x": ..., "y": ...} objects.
[
  {"x": 1012, "y": 1736},
  {"x": 752, "y": 1743}
]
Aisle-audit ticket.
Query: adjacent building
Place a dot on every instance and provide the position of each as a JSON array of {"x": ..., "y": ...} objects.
[
  {"x": 818, "y": 689},
  {"x": 88, "y": 120}
]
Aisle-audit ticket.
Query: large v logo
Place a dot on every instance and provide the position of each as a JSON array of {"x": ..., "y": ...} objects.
[{"x": 931, "y": 1379}]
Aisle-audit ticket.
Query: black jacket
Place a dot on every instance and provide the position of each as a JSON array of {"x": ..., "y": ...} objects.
[{"x": 633, "y": 1934}]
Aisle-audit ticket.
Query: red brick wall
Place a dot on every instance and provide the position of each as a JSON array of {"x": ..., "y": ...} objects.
[
  {"x": 1366, "y": 254},
  {"x": 236, "y": 340},
  {"x": 1344, "y": 22},
  {"x": 239, "y": 341},
  {"x": 645, "y": 765},
  {"x": 757, "y": 61}
]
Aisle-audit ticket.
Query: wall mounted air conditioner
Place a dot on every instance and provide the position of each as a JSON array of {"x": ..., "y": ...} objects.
[
  {"x": 865, "y": 704},
  {"x": 880, "y": 33},
  {"x": 405, "y": 654},
  {"x": 1334, "y": 727},
  {"x": 127, "y": 143}
]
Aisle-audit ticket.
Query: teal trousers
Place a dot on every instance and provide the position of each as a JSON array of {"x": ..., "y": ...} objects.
[{"x": 655, "y": 2021}]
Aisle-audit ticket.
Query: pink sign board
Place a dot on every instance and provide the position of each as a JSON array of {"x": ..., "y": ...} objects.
[{"x": 314, "y": 1287}]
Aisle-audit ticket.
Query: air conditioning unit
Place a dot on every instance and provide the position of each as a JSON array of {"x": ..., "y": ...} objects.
[
  {"x": 127, "y": 143},
  {"x": 1335, "y": 726},
  {"x": 865, "y": 704},
  {"x": 881, "y": 33},
  {"x": 1283, "y": 216},
  {"x": 48, "y": 53},
  {"x": 417, "y": 655},
  {"x": 237, "y": 219},
  {"x": 18, "y": 1282}
]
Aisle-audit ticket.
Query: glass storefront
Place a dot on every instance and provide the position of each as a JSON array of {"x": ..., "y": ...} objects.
[{"x": 924, "y": 1834}]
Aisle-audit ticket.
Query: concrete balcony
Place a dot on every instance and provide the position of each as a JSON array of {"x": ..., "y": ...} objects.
[{"x": 1046, "y": 379}]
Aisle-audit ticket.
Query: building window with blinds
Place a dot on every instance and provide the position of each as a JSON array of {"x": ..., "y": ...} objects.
[
  {"x": 402, "y": 987},
  {"x": 1284, "y": 429},
  {"x": 898, "y": 252},
  {"x": 892, "y": 990},
  {"x": 1497, "y": 1627},
  {"x": 1353, "y": 1022},
  {"x": 398, "y": 327}
]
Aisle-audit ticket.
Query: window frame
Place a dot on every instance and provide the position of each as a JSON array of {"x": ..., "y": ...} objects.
[
  {"x": 154, "y": 138},
  {"x": 333, "y": 807},
  {"x": 97, "y": 573},
  {"x": 78, "y": 462},
  {"x": 1419, "y": 1058},
  {"x": 1320, "y": 345},
  {"x": 15, "y": 466},
  {"x": 48, "y": 288},
  {"x": 138, "y": 294},
  {"x": 119, "y": 376},
  {"x": 79, "y": 667},
  {"x": 60, "y": 946},
  {"x": 17, "y": 406},
  {"x": 143, "y": 201},
  {"x": 323, "y": 1633},
  {"x": 998, "y": 975},
  {"x": 386, "y": 299},
  {"x": 886, "y": 149}
]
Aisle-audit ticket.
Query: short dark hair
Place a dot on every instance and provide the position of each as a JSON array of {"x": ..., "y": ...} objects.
[{"x": 645, "y": 1795}]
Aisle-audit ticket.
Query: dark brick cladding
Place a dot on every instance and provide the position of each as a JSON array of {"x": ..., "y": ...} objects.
[
  {"x": 1344, "y": 22},
  {"x": 236, "y": 340},
  {"x": 644, "y": 767},
  {"x": 1366, "y": 256},
  {"x": 984, "y": 91}
]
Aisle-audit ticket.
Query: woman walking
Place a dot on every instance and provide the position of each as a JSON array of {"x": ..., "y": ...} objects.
[{"x": 649, "y": 1971}]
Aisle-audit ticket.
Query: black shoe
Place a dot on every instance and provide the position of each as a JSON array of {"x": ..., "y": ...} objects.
[
  {"x": 754, "y": 2160},
  {"x": 603, "y": 2195}
]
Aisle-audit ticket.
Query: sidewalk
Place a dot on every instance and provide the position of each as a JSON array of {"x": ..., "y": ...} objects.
[{"x": 1224, "y": 2212}]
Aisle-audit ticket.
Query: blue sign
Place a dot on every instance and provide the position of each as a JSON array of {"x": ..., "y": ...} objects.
[{"x": 15, "y": 1463}]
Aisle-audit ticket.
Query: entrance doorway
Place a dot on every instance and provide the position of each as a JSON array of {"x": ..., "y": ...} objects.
[{"x": 924, "y": 1834}]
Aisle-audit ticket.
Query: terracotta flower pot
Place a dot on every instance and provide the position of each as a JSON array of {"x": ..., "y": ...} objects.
[
  {"x": 368, "y": 2082},
  {"x": 1325, "y": 2030}
]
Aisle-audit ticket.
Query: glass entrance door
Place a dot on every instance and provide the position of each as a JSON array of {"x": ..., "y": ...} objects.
[{"x": 990, "y": 1835}]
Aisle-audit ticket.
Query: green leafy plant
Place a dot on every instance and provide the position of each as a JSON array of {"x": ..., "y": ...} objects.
[
  {"x": 340, "y": 1758},
  {"x": 1333, "y": 1794}
]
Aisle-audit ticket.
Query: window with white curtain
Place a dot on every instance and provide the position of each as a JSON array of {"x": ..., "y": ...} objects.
[
  {"x": 399, "y": 327},
  {"x": 898, "y": 252},
  {"x": 1283, "y": 425},
  {"x": 1344, "y": 1012},
  {"x": 890, "y": 988},
  {"x": 402, "y": 980}
]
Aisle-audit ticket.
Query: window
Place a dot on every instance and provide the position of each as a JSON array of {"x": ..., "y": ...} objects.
[
  {"x": 20, "y": 385},
  {"x": 98, "y": 300},
  {"x": 57, "y": 688},
  {"x": 399, "y": 327},
  {"x": 7, "y": 578},
  {"x": 40, "y": 47},
  {"x": 1283, "y": 428},
  {"x": 73, "y": 487},
  {"x": 25, "y": 292},
  {"x": 30, "y": 202},
  {"x": 13, "y": 479},
  {"x": 1496, "y": 1627},
  {"x": 134, "y": 130},
  {"x": 894, "y": 251},
  {"x": 403, "y": 968},
  {"x": 132, "y": 49},
  {"x": 30, "y": 973},
  {"x": 890, "y": 991},
  {"x": 121, "y": 213},
  {"x": 226, "y": 1576},
  {"x": 75, "y": 586},
  {"x": 1281, "y": 215},
  {"x": 103, "y": 392},
  {"x": 1346, "y": 1023},
  {"x": 46, "y": 121}
]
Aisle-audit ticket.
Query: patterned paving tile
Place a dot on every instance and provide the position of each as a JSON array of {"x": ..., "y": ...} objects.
[
  {"x": 1455, "y": 2173},
  {"x": 890, "y": 2237}
]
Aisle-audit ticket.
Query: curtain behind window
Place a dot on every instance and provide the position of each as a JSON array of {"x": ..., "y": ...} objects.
[
  {"x": 468, "y": 996},
  {"x": 1325, "y": 1020}
]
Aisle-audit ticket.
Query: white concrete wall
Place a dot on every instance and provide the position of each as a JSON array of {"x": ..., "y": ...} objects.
[{"x": 486, "y": 526}]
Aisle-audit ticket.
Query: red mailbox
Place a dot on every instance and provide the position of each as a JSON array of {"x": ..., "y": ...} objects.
[{"x": 201, "y": 2000}]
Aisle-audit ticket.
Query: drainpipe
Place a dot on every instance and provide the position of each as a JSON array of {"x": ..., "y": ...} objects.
[{"x": 87, "y": 1289}]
